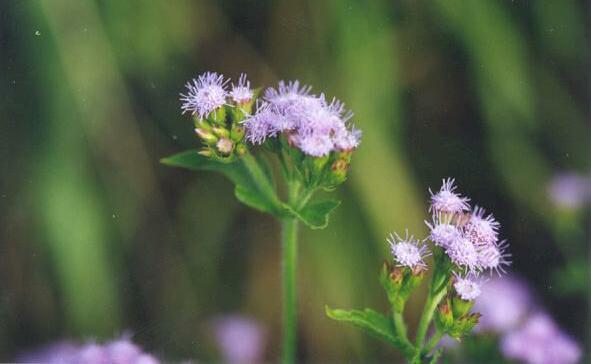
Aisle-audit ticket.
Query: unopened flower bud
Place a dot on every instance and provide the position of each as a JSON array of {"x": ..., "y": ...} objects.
[
  {"x": 460, "y": 307},
  {"x": 205, "y": 153},
  {"x": 206, "y": 136},
  {"x": 218, "y": 116},
  {"x": 444, "y": 318},
  {"x": 237, "y": 132},
  {"x": 224, "y": 146},
  {"x": 221, "y": 132},
  {"x": 241, "y": 149}
]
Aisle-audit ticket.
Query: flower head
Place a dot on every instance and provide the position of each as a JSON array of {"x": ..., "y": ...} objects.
[
  {"x": 463, "y": 253},
  {"x": 481, "y": 230},
  {"x": 467, "y": 287},
  {"x": 443, "y": 232},
  {"x": 286, "y": 94},
  {"x": 447, "y": 200},
  {"x": 540, "y": 341},
  {"x": 259, "y": 126},
  {"x": 204, "y": 94},
  {"x": 408, "y": 252},
  {"x": 494, "y": 257},
  {"x": 241, "y": 93}
]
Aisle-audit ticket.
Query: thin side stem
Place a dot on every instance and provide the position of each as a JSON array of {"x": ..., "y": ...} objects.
[
  {"x": 289, "y": 230},
  {"x": 400, "y": 327}
]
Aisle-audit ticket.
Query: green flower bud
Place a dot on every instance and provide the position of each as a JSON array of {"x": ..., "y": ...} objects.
[
  {"x": 206, "y": 136},
  {"x": 205, "y": 152},
  {"x": 221, "y": 132},
  {"x": 237, "y": 132},
  {"x": 218, "y": 116},
  {"x": 444, "y": 317},
  {"x": 460, "y": 307},
  {"x": 241, "y": 149}
]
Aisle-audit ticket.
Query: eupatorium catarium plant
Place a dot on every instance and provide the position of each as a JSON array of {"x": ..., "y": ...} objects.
[
  {"x": 309, "y": 136},
  {"x": 464, "y": 245}
]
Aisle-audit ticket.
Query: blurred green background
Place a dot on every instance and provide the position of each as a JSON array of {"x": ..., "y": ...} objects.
[{"x": 96, "y": 237}]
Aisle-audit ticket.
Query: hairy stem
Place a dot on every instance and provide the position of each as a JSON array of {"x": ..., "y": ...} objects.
[
  {"x": 433, "y": 341},
  {"x": 407, "y": 348},
  {"x": 289, "y": 239},
  {"x": 432, "y": 301}
]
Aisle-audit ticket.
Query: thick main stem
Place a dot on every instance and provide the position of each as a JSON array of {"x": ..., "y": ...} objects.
[{"x": 289, "y": 229}]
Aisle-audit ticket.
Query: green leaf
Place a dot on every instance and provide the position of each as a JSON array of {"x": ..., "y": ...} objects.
[
  {"x": 370, "y": 321},
  {"x": 247, "y": 191},
  {"x": 315, "y": 214},
  {"x": 257, "y": 201}
]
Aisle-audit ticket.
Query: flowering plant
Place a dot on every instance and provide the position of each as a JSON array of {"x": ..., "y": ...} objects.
[
  {"x": 464, "y": 245},
  {"x": 310, "y": 137}
]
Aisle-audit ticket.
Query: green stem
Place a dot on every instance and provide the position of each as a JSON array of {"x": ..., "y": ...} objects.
[
  {"x": 289, "y": 239},
  {"x": 400, "y": 327},
  {"x": 260, "y": 177},
  {"x": 433, "y": 341},
  {"x": 432, "y": 301}
]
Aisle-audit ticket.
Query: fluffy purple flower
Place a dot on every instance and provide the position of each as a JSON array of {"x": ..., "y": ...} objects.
[
  {"x": 204, "y": 94},
  {"x": 570, "y": 190},
  {"x": 259, "y": 126},
  {"x": 467, "y": 287},
  {"x": 447, "y": 200},
  {"x": 408, "y": 251},
  {"x": 540, "y": 341},
  {"x": 493, "y": 256},
  {"x": 481, "y": 230},
  {"x": 310, "y": 123},
  {"x": 240, "y": 339},
  {"x": 241, "y": 93},
  {"x": 442, "y": 231},
  {"x": 504, "y": 303},
  {"x": 463, "y": 253}
]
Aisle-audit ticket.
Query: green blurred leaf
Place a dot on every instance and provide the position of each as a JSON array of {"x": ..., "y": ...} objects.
[
  {"x": 368, "y": 320},
  {"x": 247, "y": 191},
  {"x": 315, "y": 214}
]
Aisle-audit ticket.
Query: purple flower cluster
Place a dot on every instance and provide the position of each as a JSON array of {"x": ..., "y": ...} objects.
[
  {"x": 469, "y": 237},
  {"x": 208, "y": 92},
  {"x": 121, "y": 351},
  {"x": 527, "y": 333},
  {"x": 310, "y": 123}
]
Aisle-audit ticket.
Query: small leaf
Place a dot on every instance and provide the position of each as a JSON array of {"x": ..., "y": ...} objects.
[
  {"x": 315, "y": 214},
  {"x": 369, "y": 320}
]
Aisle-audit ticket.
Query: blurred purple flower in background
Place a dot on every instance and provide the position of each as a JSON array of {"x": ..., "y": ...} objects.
[
  {"x": 239, "y": 338},
  {"x": 503, "y": 303},
  {"x": 540, "y": 341},
  {"x": 570, "y": 190},
  {"x": 121, "y": 351}
]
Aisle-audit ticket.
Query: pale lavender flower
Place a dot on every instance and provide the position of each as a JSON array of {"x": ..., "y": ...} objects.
[
  {"x": 442, "y": 231},
  {"x": 468, "y": 288},
  {"x": 570, "y": 190},
  {"x": 240, "y": 339},
  {"x": 504, "y": 303},
  {"x": 446, "y": 200},
  {"x": 204, "y": 94},
  {"x": 408, "y": 251},
  {"x": 494, "y": 256},
  {"x": 123, "y": 351},
  {"x": 259, "y": 126},
  {"x": 286, "y": 93},
  {"x": 346, "y": 140},
  {"x": 540, "y": 341},
  {"x": 241, "y": 93},
  {"x": 481, "y": 230},
  {"x": 463, "y": 253},
  {"x": 314, "y": 144}
]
